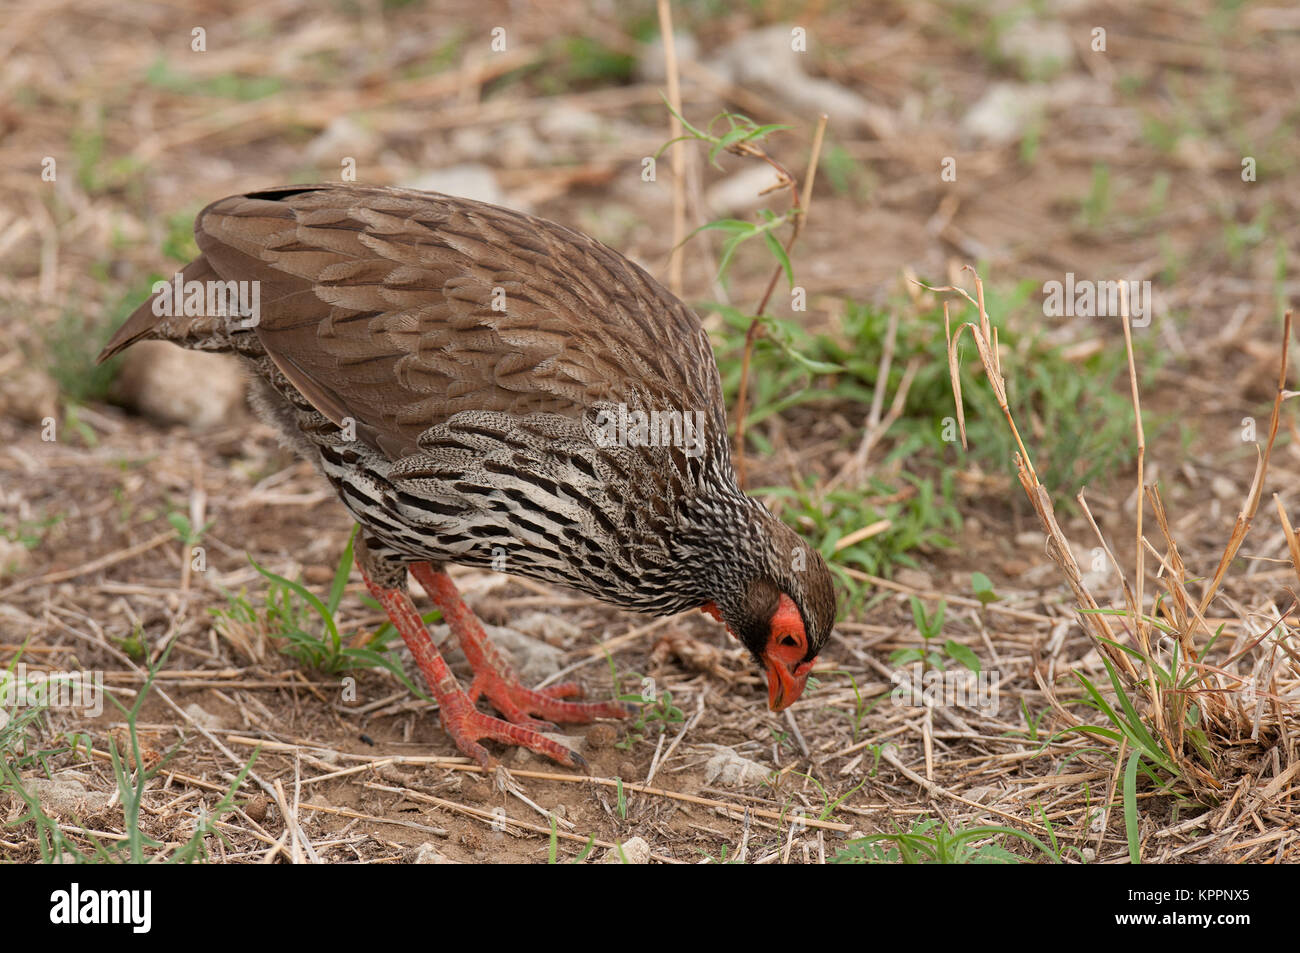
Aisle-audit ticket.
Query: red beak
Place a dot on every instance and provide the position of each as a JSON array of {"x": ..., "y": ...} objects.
[{"x": 783, "y": 685}]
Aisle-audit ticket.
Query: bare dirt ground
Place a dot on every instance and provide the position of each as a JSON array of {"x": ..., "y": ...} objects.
[{"x": 1123, "y": 161}]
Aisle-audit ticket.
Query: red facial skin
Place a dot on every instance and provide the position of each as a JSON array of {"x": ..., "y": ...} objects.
[{"x": 787, "y": 642}]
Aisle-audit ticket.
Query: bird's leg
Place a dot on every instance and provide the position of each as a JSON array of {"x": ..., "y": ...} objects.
[
  {"x": 494, "y": 677},
  {"x": 465, "y": 723}
]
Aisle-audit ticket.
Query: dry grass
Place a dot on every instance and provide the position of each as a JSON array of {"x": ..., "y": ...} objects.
[{"x": 1185, "y": 687}]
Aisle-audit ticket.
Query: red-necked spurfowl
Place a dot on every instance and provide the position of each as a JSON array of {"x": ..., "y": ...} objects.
[{"x": 488, "y": 388}]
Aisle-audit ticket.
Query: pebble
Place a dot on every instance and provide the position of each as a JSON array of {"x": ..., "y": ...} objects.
[
  {"x": 426, "y": 853},
  {"x": 601, "y": 735},
  {"x": 256, "y": 809},
  {"x": 470, "y": 180},
  {"x": 635, "y": 851},
  {"x": 731, "y": 769},
  {"x": 28, "y": 395},
  {"x": 171, "y": 385},
  {"x": 1040, "y": 47}
]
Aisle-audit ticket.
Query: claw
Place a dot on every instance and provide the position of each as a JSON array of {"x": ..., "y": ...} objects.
[{"x": 493, "y": 679}]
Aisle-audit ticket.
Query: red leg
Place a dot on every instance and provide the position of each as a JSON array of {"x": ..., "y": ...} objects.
[
  {"x": 495, "y": 678},
  {"x": 460, "y": 718}
]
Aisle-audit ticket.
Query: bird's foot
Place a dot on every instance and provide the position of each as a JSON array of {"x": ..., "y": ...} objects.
[
  {"x": 494, "y": 678},
  {"x": 467, "y": 726},
  {"x": 517, "y": 704},
  {"x": 463, "y": 722}
]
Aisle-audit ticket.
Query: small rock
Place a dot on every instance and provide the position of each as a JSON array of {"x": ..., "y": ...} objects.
[
  {"x": 1030, "y": 539},
  {"x": 1040, "y": 47},
  {"x": 1005, "y": 110},
  {"x": 475, "y": 790},
  {"x": 426, "y": 853},
  {"x": 601, "y": 735},
  {"x": 574, "y": 743},
  {"x": 393, "y": 774},
  {"x": 256, "y": 809},
  {"x": 202, "y": 718},
  {"x": 1002, "y": 114},
  {"x": 731, "y": 769},
  {"x": 66, "y": 796},
  {"x": 650, "y": 64},
  {"x": 568, "y": 123},
  {"x": 469, "y": 181},
  {"x": 634, "y": 851},
  {"x": 550, "y": 628},
  {"x": 1040, "y": 575},
  {"x": 1225, "y": 489},
  {"x": 1193, "y": 151},
  {"x": 343, "y": 137},
  {"x": 14, "y": 557},
  {"x": 471, "y": 143},
  {"x": 766, "y": 59},
  {"x": 517, "y": 147},
  {"x": 174, "y": 386},
  {"x": 740, "y": 191},
  {"x": 627, "y": 771},
  {"x": 915, "y": 579},
  {"x": 533, "y": 659},
  {"x": 28, "y": 395}
]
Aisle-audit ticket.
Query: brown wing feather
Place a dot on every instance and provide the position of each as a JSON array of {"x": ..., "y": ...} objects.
[{"x": 383, "y": 305}]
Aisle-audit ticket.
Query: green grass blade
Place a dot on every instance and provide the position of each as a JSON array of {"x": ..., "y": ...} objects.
[{"x": 1131, "y": 808}]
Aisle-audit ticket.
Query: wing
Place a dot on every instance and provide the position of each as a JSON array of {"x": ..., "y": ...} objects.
[{"x": 401, "y": 308}]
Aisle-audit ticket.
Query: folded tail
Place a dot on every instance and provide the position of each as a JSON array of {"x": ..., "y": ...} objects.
[{"x": 144, "y": 324}]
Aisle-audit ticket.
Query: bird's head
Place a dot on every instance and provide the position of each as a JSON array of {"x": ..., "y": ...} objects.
[{"x": 783, "y": 612}]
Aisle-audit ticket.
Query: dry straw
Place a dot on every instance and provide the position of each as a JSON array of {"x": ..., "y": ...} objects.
[{"x": 1161, "y": 653}]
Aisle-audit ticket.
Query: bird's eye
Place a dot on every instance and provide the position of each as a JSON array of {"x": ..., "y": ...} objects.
[{"x": 790, "y": 641}]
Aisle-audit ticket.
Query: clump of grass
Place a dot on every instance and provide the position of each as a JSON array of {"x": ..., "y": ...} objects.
[
  {"x": 861, "y": 706},
  {"x": 98, "y": 172},
  {"x": 847, "y": 176},
  {"x": 71, "y": 345},
  {"x": 179, "y": 244},
  {"x": 74, "y": 340},
  {"x": 553, "y": 847},
  {"x": 1176, "y": 718},
  {"x": 132, "y": 774},
  {"x": 873, "y": 528},
  {"x": 657, "y": 708},
  {"x": 28, "y": 533},
  {"x": 930, "y": 842},
  {"x": 1077, "y": 413},
  {"x": 908, "y": 504},
  {"x": 934, "y": 654},
  {"x": 305, "y": 627},
  {"x": 222, "y": 86}
]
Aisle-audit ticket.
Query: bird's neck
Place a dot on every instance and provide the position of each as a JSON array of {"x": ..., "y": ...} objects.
[{"x": 723, "y": 545}]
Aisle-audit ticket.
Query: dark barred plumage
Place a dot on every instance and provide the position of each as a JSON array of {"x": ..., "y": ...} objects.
[{"x": 471, "y": 380}]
